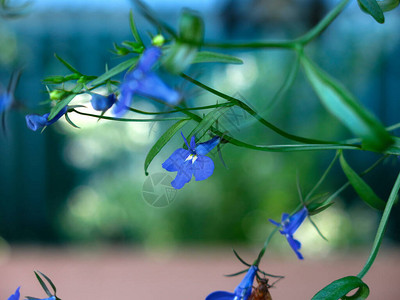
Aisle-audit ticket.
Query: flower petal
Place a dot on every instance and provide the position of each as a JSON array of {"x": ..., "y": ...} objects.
[
  {"x": 295, "y": 245},
  {"x": 184, "y": 175},
  {"x": 57, "y": 116},
  {"x": 102, "y": 103},
  {"x": 124, "y": 101},
  {"x": 148, "y": 59},
  {"x": 5, "y": 101},
  {"x": 16, "y": 295},
  {"x": 176, "y": 160},
  {"x": 245, "y": 286},
  {"x": 203, "y": 167},
  {"x": 186, "y": 142},
  {"x": 220, "y": 295},
  {"x": 295, "y": 221},
  {"x": 193, "y": 143},
  {"x": 204, "y": 148},
  {"x": 152, "y": 86},
  {"x": 34, "y": 122}
]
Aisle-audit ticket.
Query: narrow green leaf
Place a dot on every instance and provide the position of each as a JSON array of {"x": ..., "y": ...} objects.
[
  {"x": 162, "y": 141},
  {"x": 372, "y": 8},
  {"x": 70, "y": 121},
  {"x": 49, "y": 281},
  {"x": 134, "y": 30},
  {"x": 207, "y": 56},
  {"x": 201, "y": 129},
  {"x": 60, "y": 105},
  {"x": 338, "y": 289},
  {"x": 342, "y": 104},
  {"x": 361, "y": 187},
  {"x": 44, "y": 286},
  {"x": 69, "y": 67},
  {"x": 114, "y": 71}
]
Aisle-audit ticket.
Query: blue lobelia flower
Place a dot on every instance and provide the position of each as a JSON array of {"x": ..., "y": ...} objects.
[
  {"x": 102, "y": 103},
  {"x": 143, "y": 81},
  {"x": 6, "y": 100},
  {"x": 242, "y": 291},
  {"x": 191, "y": 162},
  {"x": 289, "y": 225},
  {"x": 34, "y": 122},
  {"x": 16, "y": 296}
]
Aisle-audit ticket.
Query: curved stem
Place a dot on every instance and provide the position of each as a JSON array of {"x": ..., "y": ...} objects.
[
  {"x": 179, "y": 109},
  {"x": 382, "y": 228},
  {"x": 245, "y": 107}
]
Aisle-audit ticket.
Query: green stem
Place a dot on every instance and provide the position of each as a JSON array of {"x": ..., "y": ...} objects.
[
  {"x": 322, "y": 25},
  {"x": 262, "y": 252},
  {"x": 381, "y": 229},
  {"x": 245, "y": 107},
  {"x": 127, "y": 120},
  {"x": 179, "y": 109}
]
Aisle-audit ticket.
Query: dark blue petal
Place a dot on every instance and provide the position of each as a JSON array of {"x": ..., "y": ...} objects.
[
  {"x": 243, "y": 290},
  {"x": 275, "y": 223},
  {"x": 220, "y": 295},
  {"x": 124, "y": 101},
  {"x": 176, "y": 160},
  {"x": 102, "y": 103},
  {"x": 295, "y": 221},
  {"x": 57, "y": 116},
  {"x": 152, "y": 86},
  {"x": 296, "y": 245},
  {"x": 186, "y": 142},
  {"x": 193, "y": 143},
  {"x": 184, "y": 175},
  {"x": 285, "y": 218},
  {"x": 204, "y": 148},
  {"x": 148, "y": 59},
  {"x": 5, "y": 101},
  {"x": 203, "y": 167},
  {"x": 15, "y": 296},
  {"x": 34, "y": 122}
]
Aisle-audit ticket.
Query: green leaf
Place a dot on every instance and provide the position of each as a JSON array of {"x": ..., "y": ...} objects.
[
  {"x": 134, "y": 30},
  {"x": 69, "y": 67},
  {"x": 70, "y": 121},
  {"x": 372, "y": 8},
  {"x": 201, "y": 129},
  {"x": 44, "y": 286},
  {"x": 49, "y": 281},
  {"x": 114, "y": 71},
  {"x": 207, "y": 57},
  {"x": 339, "y": 288},
  {"x": 60, "y": 105},
  {"x": 361, "y": 187},
  {"x": 162, "y": 141},
  {"x": 342, "y": 104}
]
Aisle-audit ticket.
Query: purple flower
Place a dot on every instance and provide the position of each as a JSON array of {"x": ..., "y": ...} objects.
[
  {"x": 143, "y": 81},
  {"x": 242, "y": 291},
  {"x": 34, "y": 122},
  {"x": 102, "y": 103},
  {"x": 16, "y": 296},
  {"x": 191, "y": 162},
  {"x": 289, "y": 225}
]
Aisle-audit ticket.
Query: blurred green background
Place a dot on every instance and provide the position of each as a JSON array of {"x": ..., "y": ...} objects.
[{"x": 86, "y": 185}]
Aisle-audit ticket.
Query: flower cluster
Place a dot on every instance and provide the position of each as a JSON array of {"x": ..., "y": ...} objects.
[{"x": 191, "y": 161}]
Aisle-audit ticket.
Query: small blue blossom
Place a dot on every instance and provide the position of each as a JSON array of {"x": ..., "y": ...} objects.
[
  {"x": 6, "y": 100},
  {"x": 34, "y": 122},
  {"x": 289, "y": 225},
  {"x": 102, "y": 103},
  {"x": 242, "y": 291},
  {"x": 143, "y": 81},
  {"x": 191, "y": 162},
  {"x": 16, "y": 296}
]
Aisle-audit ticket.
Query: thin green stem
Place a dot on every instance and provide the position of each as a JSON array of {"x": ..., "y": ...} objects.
[
  {"x": 126, "y": 119},
  {"x": 257, "y": 116},
  {"x": 179, "y": 109},
  {"x": 264, "y": 248},
  {"x": 381, "y": 229},
  {"x": 322, "y": 25}
]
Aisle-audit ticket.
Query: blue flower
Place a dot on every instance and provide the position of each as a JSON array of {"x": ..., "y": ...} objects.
[
  {"x": 191, "y": 162},
  {"x": 34, "y": 122},
  {"x": 16, "y": 296},
  {"x": 143, "y": 81},
  {"x": 289, "y": 225},
  {"x": 6, "y": 100},
  {"x": 102, "y": 103},
  {"x": 242, "y": 291}
]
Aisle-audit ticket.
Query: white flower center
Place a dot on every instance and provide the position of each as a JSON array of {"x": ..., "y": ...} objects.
[{"x": 191, "y": 157}]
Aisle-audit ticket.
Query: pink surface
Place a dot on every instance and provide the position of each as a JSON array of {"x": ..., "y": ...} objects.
[{"x": 100, "y": 273}]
